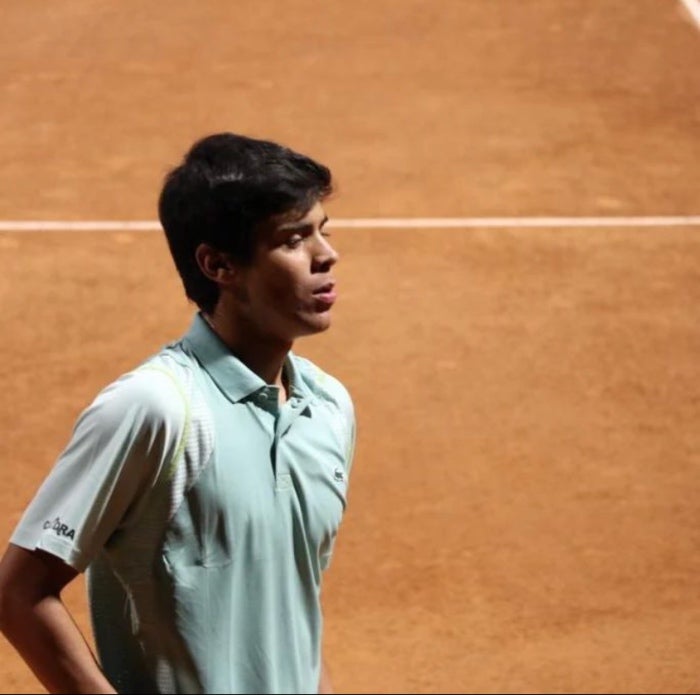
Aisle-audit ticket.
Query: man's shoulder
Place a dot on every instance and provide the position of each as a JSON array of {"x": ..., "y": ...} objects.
[
  {"x": 321, "y": 383},
  {"x": 158, "y": 389}
]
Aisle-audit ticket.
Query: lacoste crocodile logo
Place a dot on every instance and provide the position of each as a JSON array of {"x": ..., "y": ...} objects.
[
  {"x": 339, "y": 475},
  {"x": 60, "y": 528}
]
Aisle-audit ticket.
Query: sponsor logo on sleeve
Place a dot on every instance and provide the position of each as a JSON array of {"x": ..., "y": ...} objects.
[{"x": 59, "y": 528}]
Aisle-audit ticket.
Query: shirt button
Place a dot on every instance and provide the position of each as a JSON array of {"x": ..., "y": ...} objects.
[{"x": 295, "y": 403}]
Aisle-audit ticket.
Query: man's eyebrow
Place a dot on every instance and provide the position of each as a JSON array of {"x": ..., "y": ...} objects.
[{"x": 291, "y": 226}]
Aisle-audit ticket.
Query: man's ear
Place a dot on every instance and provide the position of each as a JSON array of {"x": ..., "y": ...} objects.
[{"x": 216, "y": 265}]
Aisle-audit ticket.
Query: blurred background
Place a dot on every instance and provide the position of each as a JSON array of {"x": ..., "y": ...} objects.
[{"x": 522, "y": 511}]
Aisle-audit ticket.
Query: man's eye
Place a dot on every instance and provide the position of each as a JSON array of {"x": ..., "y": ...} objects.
[{"x": 294, "y": 241}]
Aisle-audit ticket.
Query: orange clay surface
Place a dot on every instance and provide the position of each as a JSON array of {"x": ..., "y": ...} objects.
[{"x": 524, "y": 505}]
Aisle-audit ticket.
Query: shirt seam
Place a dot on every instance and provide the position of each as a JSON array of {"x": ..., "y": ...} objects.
[{"x": 182, "y": 442}]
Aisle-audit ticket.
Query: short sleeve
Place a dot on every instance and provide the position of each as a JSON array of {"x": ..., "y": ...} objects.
[
  {"x": 348, "y": 410},
  {"x": 343, "y": 400},
  {"x": 119, "y": 445}
]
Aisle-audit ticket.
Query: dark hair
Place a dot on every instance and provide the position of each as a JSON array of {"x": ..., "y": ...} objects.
[{"x": 226, "y": 186}]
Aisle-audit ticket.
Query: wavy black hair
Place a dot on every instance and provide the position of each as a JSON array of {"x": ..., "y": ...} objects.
[{"x": 225, "y": 187}]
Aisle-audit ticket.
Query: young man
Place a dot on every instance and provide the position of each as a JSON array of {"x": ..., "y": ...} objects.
[{"x": 203, "y": 490}]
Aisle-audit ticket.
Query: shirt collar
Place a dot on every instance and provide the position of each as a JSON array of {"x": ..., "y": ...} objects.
[
  {"x": 233, "y": 377},
  {"x": 297, "y": 387}
]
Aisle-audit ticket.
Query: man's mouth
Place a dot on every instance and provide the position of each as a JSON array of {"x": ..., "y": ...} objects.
[{"x": 326, "y": 294}]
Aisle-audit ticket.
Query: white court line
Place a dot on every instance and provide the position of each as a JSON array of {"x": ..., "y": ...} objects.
[
  {"x": 693, "y": 7},
  {"x": 514, "y": 222},
  {"x": 379, "y": 223}
]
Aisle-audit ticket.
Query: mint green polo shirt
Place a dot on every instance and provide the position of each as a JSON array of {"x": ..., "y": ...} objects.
[{"x": 205, "y": 514}]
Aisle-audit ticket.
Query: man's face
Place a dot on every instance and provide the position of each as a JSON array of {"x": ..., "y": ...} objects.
[{"x": 288, "y": 290}]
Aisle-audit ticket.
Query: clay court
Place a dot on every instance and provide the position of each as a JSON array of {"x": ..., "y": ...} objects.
[{"x": 523, "y": 511}]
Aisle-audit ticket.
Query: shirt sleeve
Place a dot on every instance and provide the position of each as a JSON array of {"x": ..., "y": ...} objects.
[
  {"x": 346, "y": 407},
  {"x": 349, "y": 412},
  {"x": 119, "y": 446}
]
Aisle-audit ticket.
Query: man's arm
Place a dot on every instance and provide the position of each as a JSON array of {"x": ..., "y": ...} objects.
[
  {"x": 325, "y": 687},
  {"x": 39, "y": 626}
]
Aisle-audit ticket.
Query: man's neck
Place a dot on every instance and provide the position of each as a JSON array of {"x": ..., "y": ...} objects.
[{"x": 261, "y": 354}]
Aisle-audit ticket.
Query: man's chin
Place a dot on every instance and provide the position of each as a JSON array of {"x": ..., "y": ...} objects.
[{"x": 318, "y": 323}]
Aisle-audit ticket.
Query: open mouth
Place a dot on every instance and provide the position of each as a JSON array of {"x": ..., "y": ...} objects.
[{"x": 325, "y": 294}]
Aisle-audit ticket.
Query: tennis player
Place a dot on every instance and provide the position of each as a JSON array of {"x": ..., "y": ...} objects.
[{"x": 202, "y": 491}]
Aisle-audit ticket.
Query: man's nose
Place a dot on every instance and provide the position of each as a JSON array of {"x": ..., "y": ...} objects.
[{"x": 326, "y": 256}]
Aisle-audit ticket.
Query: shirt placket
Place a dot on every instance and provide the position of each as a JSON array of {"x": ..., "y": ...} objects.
[{"x": 287, "y": 414}]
